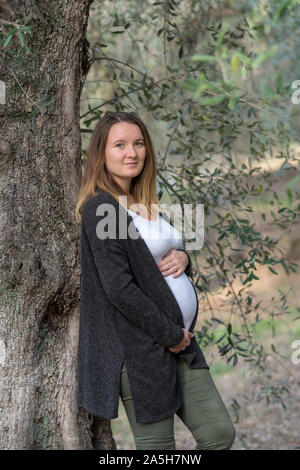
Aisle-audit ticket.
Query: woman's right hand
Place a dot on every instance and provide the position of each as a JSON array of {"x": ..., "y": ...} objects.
[{"x": 184, "y": 342}]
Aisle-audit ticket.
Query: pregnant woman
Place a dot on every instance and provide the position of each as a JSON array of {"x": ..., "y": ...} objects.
[
  {"x": 161, "y": 237},
  {"x": 138, "y": 307}
]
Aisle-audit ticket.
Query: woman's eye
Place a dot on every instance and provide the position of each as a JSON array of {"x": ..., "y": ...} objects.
[{"x": 138, "y": 143}]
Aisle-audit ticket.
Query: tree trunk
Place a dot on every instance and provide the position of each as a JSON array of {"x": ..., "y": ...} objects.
[{"x": 40, "y": 174}]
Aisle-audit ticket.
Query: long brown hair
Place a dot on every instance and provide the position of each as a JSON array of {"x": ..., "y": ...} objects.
[{"x": 97, "y": 177}]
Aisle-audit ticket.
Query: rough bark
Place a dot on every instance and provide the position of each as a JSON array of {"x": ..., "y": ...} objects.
[{"x": 40, "y": 173}]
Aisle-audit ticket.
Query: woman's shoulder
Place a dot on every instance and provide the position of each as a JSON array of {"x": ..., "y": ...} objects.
[
  {"x": 90, "y": 207},
  {"x": 100, "y": 197}
]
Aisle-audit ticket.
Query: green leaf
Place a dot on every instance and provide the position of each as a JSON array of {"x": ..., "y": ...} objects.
[
  {"x": 21, "y": 39},
  {"x": 243, "y": 57},
  {"x": 290, "y": 196},
  {"x": 220, "y": 339},
  {"x": 232, "y": 102},
  {"x": 204, "y": 58},
  {"x": 189, "y": 84},
  {"x": 7, "y": 40},
  {"x": 235, "y": 63},
  {"x": 180, "y": 52},
  {"x": 272, "y": 270},
  {"x": 281, "y": 10},
  {"x": 212, "y": 86},
  {"x": 293, "y": 181},
  {"x": 221, "y": 36},
  {"x": 262, "y": 57},
  {"x": 235, "y": 360},
  {"x": 212, "y": 100}
]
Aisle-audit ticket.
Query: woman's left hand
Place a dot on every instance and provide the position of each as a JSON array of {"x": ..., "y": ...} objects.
[{"x": 174, "y": 261}]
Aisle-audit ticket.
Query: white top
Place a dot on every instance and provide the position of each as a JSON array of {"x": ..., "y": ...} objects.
[{"x": 160, "y": 237}]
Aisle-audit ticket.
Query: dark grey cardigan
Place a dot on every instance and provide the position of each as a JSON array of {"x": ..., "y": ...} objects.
[{"x": 129, "y": 314}]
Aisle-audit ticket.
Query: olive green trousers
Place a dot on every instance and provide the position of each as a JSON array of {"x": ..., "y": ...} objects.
[{"x": 203, "y": 412}]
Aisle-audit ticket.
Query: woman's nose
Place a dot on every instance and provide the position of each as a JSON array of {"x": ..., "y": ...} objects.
[{"x": 131, "y": 151}]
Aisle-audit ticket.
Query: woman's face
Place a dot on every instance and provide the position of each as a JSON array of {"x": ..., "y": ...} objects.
[{"x": 125, "y": 145}]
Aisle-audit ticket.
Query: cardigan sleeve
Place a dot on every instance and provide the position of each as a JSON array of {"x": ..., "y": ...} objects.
[{"x": 114, "y": 271}]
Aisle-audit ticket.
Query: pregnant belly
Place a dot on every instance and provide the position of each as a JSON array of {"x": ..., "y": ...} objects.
[{"x": 185, "y": 295}]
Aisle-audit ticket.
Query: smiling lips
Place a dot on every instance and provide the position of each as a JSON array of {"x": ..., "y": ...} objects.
[{"x": 131, "y": 164}]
